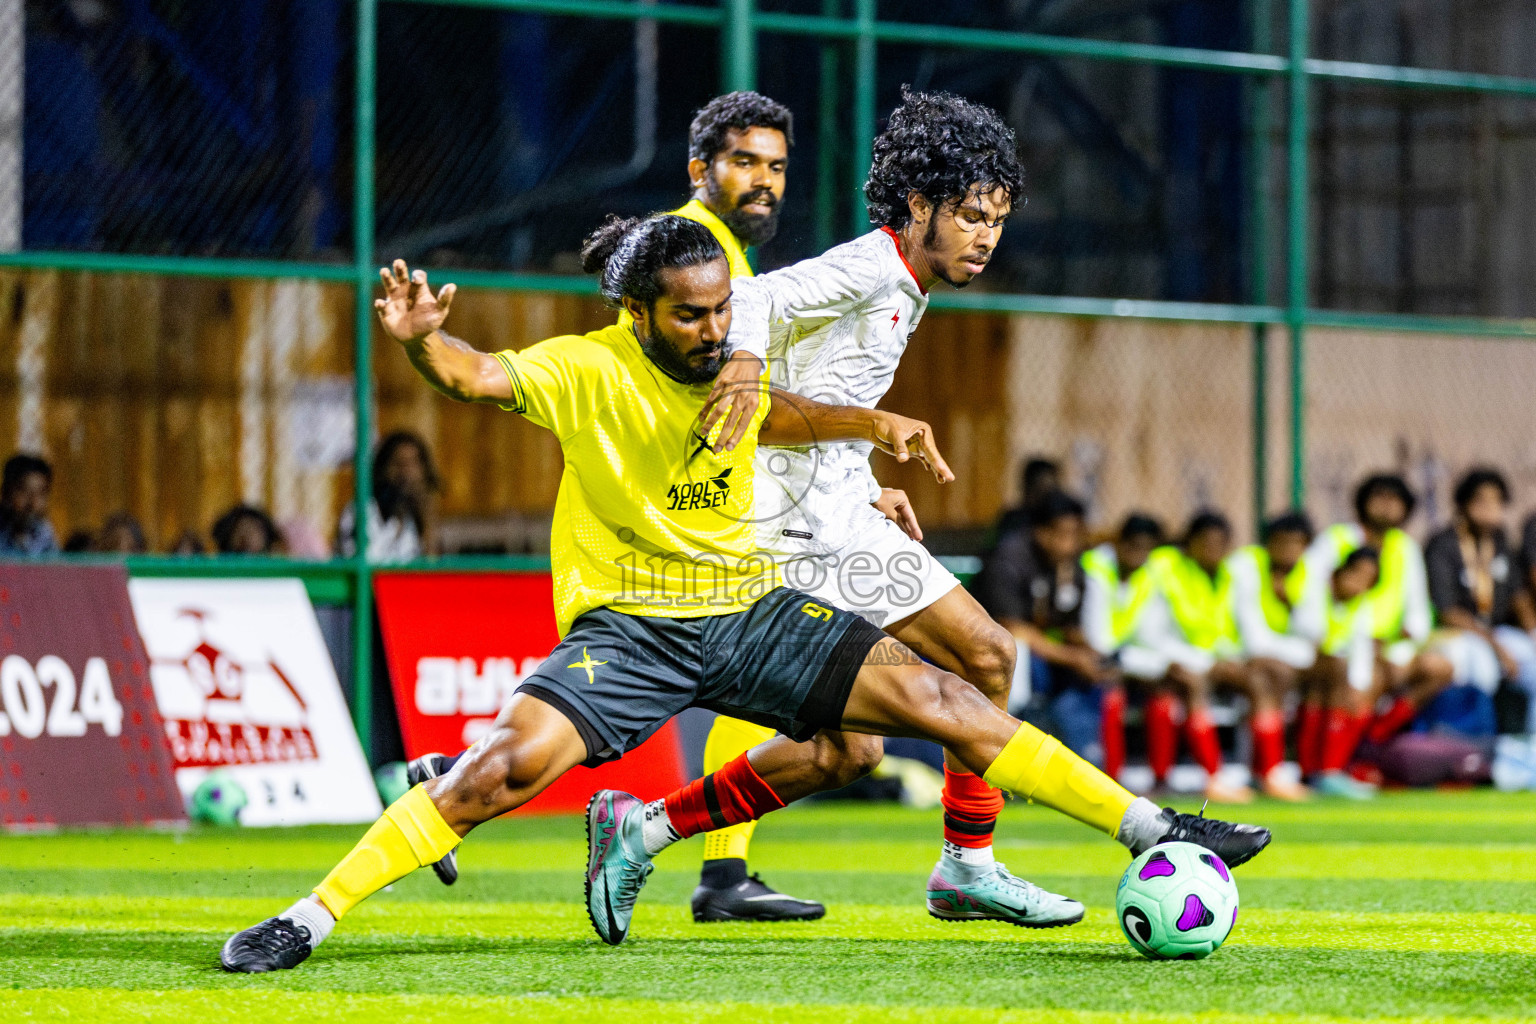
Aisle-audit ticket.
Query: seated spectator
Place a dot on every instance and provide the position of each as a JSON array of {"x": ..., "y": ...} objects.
[
  {"x": 1472, "y": 583},
  {"x": 121, "y": 534},
  {"x": 402, "y": 517},
  {"x": 1189, "y": 621},
  {"x": 188, "y": 545},
  {"x": 25, "y": 487},
  {"x": 1033, "y": 586},
  {"x": 1335, "y": 709},
  {"x": 1040, "y": 476},
  {"x": 1410, "y": 668},
  {"x": 80, "y": 542},
  {"x": 246, "y": 530},
  {"x": 1264, "y": 583},
  {"x": 1117, "y": 588}
]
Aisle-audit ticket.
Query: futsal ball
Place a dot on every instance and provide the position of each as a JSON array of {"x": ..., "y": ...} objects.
[
  {"x": 392, "y": 781},
  {"x": 218, "y": 800},
  {"x": 1177, "y": 901}
]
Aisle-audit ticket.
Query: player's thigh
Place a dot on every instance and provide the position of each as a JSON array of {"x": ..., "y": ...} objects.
[
  {"x": 530, "y": 745},
  {"x": 958, "y": 635},
  {"x": 896, "y": 694}
]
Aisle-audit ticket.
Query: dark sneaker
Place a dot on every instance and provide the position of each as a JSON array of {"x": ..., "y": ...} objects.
[
  {"x": 752, "y": 900},
  {"x": 430, "y": 766},
  {"x": 277, "y": 944},
  {"x": 1234, "y": 844}
]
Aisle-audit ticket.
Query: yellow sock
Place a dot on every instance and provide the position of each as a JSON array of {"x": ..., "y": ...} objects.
[
  {"x": 729, "y": 738},
  {"x": 1038, "y": 768},
  {"x": 411, "y": 834}
]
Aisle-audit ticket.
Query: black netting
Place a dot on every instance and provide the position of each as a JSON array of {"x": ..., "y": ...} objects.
[{"x": 172, "y": 126}]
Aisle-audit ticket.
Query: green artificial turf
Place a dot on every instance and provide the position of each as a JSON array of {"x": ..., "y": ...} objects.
[{"x": 1416, "y": 906}]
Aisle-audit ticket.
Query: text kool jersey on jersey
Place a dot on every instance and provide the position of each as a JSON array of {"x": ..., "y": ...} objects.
[{"x": 832, "y": 328}]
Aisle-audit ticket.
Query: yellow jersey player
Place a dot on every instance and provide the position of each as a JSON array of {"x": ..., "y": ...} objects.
[
  {"x": 738, "y": 157},
  {"x": 663, "y": 608}
]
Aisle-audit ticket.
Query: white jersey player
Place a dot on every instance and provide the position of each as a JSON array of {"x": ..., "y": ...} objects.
[
  {"x": 834, "y": 328},
  {"x": 943, "y": 179}
]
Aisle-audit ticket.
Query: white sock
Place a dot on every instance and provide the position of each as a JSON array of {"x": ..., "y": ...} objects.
[
  {"x": 313, "y": 916},
  {"x": 970, "y": 856},
  {"x": 657, "y": 831},
  {"x": 1142, "y": 826}
]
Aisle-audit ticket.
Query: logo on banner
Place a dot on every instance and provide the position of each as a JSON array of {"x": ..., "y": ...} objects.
[
  {"x": 245, "y": 685},
  {"x": 250, "y": 710}
]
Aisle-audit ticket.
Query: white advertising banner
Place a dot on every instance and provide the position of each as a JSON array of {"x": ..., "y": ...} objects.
[{"x": 245, "y": 685}]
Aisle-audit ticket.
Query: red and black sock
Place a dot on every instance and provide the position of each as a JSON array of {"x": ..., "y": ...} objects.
[
  {"x": 971, "y": 808},
  {"x": 730, "y": 796}
]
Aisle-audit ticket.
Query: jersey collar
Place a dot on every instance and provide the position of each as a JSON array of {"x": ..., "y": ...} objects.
[{"x": 896, "y": 241}]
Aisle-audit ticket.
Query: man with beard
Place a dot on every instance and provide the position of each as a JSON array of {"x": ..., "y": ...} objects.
[
  {"x": 738, "y": 158},
  {"x": 944, "y": 176}
]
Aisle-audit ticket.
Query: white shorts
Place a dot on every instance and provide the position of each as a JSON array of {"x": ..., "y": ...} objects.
[{"x": 881, "y": 574}]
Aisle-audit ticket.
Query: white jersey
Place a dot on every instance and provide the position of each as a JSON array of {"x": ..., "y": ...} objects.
[{"x": 832, "y": 328}]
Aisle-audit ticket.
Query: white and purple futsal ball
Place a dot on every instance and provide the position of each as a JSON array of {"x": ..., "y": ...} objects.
[{"x": 1177, "y": 901}]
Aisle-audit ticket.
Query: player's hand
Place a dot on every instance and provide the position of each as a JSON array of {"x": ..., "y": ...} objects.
[
  {"x": 894, "y": 504},
  {"x": 904, "y": 437},
  {"x": 735, "y": 397},
  {"x": 408, "y": 310}
]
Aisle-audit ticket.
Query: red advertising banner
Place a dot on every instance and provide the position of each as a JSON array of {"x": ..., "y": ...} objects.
[
  {"x": 81, "y": 741},
  {"x": 458, "y": 644}
]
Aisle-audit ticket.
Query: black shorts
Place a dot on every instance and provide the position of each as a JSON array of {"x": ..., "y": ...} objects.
[{"x": 788, "y": 663}]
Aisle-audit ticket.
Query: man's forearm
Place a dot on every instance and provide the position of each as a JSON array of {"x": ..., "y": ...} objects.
[
  {"x": 795, "y": 420},
  {"x": 450, "y": 365}
]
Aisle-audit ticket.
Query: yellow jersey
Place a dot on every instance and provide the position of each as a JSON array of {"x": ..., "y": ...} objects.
[
  {"x": 735, "y": 255},
  {"x": 649, "y": 520}
]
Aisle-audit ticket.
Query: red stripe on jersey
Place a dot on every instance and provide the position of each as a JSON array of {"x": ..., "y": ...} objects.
[{"x": 896, "y": 241}]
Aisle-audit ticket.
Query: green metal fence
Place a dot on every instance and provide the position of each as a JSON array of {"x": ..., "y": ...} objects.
[{"x": 740, "y": 23}]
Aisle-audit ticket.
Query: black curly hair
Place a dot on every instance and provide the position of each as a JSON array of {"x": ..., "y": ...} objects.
[
  {"x": 735, "y": 111},
  {"x": 628, "y": 254},
  {"x": 944, "y": 148}
]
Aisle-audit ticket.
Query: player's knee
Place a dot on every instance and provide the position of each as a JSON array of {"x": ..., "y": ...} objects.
[
  {"x": 989, "y": 661},
  {"x": 842, "y": 761},
  {"x": 1437, "y": 669}
]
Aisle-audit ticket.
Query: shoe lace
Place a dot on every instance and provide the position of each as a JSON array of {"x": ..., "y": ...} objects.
[
  {"x": 1008, "y": 878},
  {"x": 279, "y": 936},
  {"x": 630, "y": 884}
]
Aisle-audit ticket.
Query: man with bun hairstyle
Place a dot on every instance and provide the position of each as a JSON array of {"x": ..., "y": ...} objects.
[{"x": 663, "y": 605}]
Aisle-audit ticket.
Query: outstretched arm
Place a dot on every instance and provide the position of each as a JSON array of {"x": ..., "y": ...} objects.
[
  {"x": 413, "y": 316},
  {"x": 794, "y": 420}
]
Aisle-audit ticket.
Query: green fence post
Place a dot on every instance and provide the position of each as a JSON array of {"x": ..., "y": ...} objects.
[
  {"x": 826, "y": 136},
  {"x": 362, "y": 346},
  {"x": 738, "y": 49},
  {"x": 863, "y": 111},
  {"x": 1297, "y": 241},
  {"x": 1258, "y": 226}
]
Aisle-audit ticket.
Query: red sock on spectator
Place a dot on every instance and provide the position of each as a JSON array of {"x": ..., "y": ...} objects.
[
  {"x": 971, "y": 808},
  {"x": 1309, "y": 739},
  {"x": 1162, "y": 735},
  {"x": 1341, "y": 736},
  {"x": 1395, "y": 720},
  {"x": 1204, "y": 747},
  {"x": 730, "y": 796},
  {"x": 1268, "y": 729},
  {"x": 1112, "y": 731}
]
